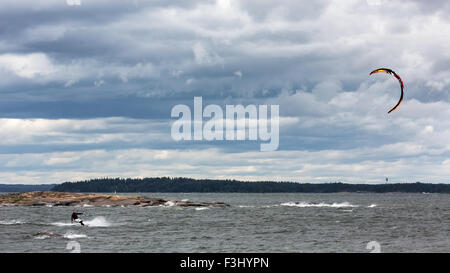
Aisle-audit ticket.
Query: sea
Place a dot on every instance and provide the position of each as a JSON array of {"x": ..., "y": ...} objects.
[{"x": 254, "y": 222}]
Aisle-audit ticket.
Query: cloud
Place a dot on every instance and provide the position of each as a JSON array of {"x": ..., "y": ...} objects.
[
  {"x": 204, "y": 57},
  {"x": 96, "y": 83},
  {"x": 27, "y": 66}
]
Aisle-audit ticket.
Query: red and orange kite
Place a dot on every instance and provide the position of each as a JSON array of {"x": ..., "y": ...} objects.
[{"x": 389, "y": 71}]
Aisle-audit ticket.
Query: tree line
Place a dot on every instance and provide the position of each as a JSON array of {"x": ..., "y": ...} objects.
[
  {"x": 25, "y": 187},
  {"x": 182, "y": 184}
]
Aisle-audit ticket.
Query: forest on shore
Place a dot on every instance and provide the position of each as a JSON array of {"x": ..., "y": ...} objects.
[{"x": 181, "y": 184}]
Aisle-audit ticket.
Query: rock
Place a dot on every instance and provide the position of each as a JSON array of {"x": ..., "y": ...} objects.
[
  {"x": 64, "y": 203},
  {"x": 47, "y": 234},
  {"x": 38, "y": 204},
  {"x": 43, "y": 198}
]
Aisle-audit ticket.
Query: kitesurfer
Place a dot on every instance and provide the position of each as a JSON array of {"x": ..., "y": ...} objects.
[{"x": 75, "y": 217}]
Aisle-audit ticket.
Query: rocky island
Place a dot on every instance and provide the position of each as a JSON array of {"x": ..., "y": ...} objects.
[{"x": 48, "y": 198}]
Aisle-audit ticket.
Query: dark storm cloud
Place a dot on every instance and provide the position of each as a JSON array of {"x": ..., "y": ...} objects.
[
  {"x": 116, "y": 37},
  {"x": 257, "y": 49}
]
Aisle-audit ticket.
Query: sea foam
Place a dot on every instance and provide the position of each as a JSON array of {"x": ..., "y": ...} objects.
[
  {"x": 11, "y": 222},
  {"x": 99, "y": 221},
  {"x": 71, "y": 235},
  {"x": 318, "y": 205}
]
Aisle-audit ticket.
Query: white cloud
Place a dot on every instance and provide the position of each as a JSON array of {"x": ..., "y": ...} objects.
[
  {"x": 300, "y": 166},
  {"x": 78, "y": 132},
  {"x": 27, "y": 66},
  {"x": 204, "y": 56}
]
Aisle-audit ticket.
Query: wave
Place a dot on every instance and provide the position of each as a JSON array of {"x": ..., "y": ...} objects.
[
  {"x": 63, "y": 224},
  {"x": 41, "y": 237},
  {"x": 11, "y": 222},
  {"x": 372, "y": 206},
  {"x": 99, "y": 221},
  {"x": 70, "y": 235},
  {"x": 202, "y": 208},
  {"x": 169, "y": 204},
  {"x": 245, "y": 206},
  {"x": 318, "y": 205}
]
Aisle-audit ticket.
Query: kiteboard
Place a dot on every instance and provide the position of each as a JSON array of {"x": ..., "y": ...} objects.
[{"x": 78, "y": 221}]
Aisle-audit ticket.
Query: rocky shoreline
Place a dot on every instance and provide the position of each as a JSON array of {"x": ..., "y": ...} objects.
[{"x": 48, "y": 198}]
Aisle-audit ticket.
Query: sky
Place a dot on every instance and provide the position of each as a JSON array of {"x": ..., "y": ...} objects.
[{"x": 87, "y": 90}]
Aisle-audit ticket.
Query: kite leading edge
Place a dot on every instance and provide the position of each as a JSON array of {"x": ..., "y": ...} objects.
[{"x": 389, "y": 71}]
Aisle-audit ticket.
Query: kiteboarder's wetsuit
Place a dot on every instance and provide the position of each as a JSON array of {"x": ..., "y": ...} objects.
[{"x": 75, "y": 216}]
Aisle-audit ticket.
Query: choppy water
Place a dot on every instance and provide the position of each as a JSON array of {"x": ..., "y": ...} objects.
[{"x": 253, "y": 223}]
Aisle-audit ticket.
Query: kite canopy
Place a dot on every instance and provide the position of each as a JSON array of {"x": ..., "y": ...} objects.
[{"x": 389, "y": 71}]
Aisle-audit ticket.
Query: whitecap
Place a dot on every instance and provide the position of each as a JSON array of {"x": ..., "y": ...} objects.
[
  {"x": 269, "y": 206},
  {"x": 11, "y": 222},
  {"x": 41, "y": 237},
  {"x": 70, "y": 235},
  {"x": 99, "y": 221},
  {"x": 169, "y": 204},
  {"x": 318, "y": 205},
  {"x": 63, "y": 224},
  {"x": 203, "y": 208}
]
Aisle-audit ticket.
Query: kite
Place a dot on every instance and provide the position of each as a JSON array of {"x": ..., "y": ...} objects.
[{"x": 389, "y": 71}]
